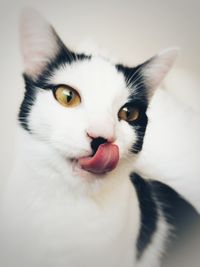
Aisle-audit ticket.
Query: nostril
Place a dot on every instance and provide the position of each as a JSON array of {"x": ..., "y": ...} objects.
[{"x": 96, "y": 142}]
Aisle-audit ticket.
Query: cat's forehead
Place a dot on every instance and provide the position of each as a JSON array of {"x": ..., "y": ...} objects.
[{"x": 95, "y": 74}]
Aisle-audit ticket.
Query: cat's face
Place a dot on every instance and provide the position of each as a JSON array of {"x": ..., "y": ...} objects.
[{"x": 78, "y": 104}]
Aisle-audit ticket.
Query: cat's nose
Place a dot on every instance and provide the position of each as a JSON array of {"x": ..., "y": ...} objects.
[
  {"x": 104, "y": 138},
  {"x": 96, "y": 142}
]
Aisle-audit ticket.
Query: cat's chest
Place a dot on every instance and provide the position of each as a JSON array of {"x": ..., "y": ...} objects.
[{"x": 76, "y": 229}]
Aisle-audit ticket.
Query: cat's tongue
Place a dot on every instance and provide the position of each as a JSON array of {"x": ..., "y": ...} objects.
[{"x": 104, "y": 160}]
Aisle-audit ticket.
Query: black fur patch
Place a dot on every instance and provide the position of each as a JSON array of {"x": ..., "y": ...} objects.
[
  {"x": 64, "y": 57},
  {"x": 178, "y": 213},
  {"x": 27, "y": 103},
  {"x": 139, "y": 98},
  {"x": 149, "y": 213},
  {"x": 135, "y": 81},
  {"x": 181, "y": 216},
  {"x": 96, "y": 142}
]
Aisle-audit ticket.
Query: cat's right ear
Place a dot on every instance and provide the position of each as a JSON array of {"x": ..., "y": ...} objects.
[{"x": 39, "y": 42}]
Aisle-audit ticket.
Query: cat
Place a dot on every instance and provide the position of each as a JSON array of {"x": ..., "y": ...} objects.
[{"x": 73, "y": 198}]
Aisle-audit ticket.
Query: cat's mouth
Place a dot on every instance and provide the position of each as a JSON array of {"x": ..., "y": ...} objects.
[{"x": 105, "y": 159}]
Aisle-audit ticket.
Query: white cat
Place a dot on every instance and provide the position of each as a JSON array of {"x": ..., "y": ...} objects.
[{"x": 73, "y": 198}]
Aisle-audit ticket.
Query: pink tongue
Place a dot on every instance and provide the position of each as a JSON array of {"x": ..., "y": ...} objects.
[{"x": 104, "y": 160}]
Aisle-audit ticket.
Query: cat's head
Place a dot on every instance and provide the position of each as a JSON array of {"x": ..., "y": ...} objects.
[{"x": 89, "y": 110}]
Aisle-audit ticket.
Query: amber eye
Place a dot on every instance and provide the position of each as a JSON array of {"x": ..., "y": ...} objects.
[
  {"x": 67, "y": 96},
  {"x": 129, "y": 113}
]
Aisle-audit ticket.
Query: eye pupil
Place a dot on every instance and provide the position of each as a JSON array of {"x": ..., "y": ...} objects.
[
  {"x": 68, "y": 95},
  {"x": 128, "y": 113}
]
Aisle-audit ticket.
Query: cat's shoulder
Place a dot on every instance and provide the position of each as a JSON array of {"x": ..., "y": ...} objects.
[
  {"x": 173, "y": 205},
  {"x": 161, "y": 204}
]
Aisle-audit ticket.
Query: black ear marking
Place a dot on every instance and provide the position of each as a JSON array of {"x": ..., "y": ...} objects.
[
  {"x": 148, "y": 75},
  {"x": 135, "y": 81},
  {"x": 64, "y": 57}
]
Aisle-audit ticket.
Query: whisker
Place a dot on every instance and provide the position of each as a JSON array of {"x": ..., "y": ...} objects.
[
  {"x": 139, "y": 85},
  {"x": 133, "y": 83},
  {"x": 129, "y": 79}
]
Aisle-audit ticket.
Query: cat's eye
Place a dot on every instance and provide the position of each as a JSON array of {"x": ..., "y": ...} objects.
[
  {"x": 67, "y": 96},
  {"x": 129, "y": 113}
]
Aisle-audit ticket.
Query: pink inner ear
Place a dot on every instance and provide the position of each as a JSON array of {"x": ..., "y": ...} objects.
[
  {"x": 38, "y": 42},
  {"x": 35, "y": 61},
  {"x": 157, "y": 68}
]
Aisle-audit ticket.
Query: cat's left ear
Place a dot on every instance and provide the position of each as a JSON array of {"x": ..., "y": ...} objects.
[
  {"x": 155, "y": 69},
  {"x": 40, "y": 43}
]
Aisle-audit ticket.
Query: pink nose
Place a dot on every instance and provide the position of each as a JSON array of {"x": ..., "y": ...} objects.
[{"x": 105, "y": 138}]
